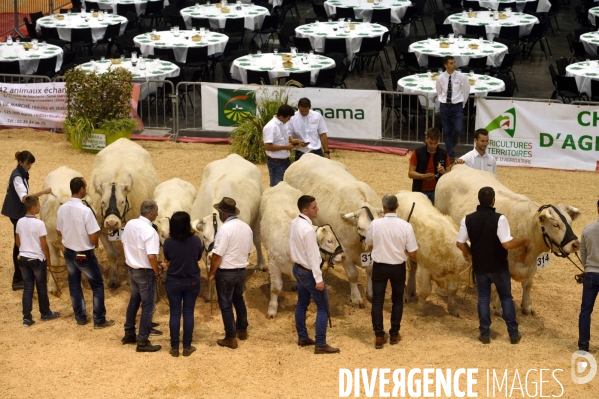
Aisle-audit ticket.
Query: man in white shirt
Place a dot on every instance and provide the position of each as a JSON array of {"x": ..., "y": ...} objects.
[
  {"x": 478, "y": 158},
  {"x": 309, "y": 127},
  {"x": 277, "y": 144},
  {"x": 391, "y": 238},
  {"x": 452, "y": 91},
  {"x": 306, "y": 269},
  {"x": 77, "y": 225},
  {"x": 233, "y": 244},
  {"x": 141, "y": 246}
]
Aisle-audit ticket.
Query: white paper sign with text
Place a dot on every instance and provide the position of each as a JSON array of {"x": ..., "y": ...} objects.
[{"x": 37, "y": 105}]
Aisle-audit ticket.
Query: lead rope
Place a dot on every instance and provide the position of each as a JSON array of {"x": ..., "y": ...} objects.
[{"x": 212, "y": 291}]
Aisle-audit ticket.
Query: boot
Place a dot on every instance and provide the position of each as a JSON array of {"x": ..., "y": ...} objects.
[
  {"x": 242, "y": 335},
  {"x": 394, "y": 339},
  {"x": 379, "y": 342},
  {"x": 129, "y": 338},
  {"x": 146, "y": 346},
  {"x": 228, "y": 342},
  {"x": 325, "y": 349}
]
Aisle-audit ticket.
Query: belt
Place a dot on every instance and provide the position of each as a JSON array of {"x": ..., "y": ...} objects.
[
  {"x": 231, "y": 270},
  {"x": 277, "y": 159},
  {"x": 451, "y": 104},
  {"x": 301, "y": 267}
]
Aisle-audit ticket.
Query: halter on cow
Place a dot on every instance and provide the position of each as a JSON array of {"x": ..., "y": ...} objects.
[
  {"x": 112, "y": 207},
  {"x": 362, "y": 238},
  {"x": 330, "y": 256},
  {"x": 215, "y": 226}
]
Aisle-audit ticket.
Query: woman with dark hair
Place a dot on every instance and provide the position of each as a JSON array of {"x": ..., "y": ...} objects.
[
  {"x": 17, "y": 190},
  {"x": 182, "y": 250}
]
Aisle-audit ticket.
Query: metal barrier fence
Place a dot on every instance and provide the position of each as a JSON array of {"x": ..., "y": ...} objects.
[
  {"x": 14, "y": 79},
  {"x": 405, "y": 117},
  {"x": 591, "y": 103},
  {"x": 12, "y": 12},
  {"x": 190, "y": 109}
]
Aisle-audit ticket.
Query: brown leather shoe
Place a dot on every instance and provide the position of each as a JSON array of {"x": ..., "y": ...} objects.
[
  {"x": 379, "y": 342},
  {"x": 228, "y": 342},
  {"x": 242, "y": 335},
  {"x": 305, "y": 342},
  {"x": 325, "y": 350},
  {"x": 394, "y": 339}
]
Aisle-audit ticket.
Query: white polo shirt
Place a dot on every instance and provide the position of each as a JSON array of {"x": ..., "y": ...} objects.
[
  {"x": 485, "y": 162},
  {"x": 140, "y": 240},
  {"x": 460, "y": 88},
  {"x": 75, "y": 221},
  {"x": 303, "y": 246},
  {"x": 390, "y": 237},
  {"x": 233, "y": 242},
  {"x": 503, "y": 231},
  {"x": 30, "y": 229},
  {"x": 274, "y": 132},
  {"x": 308, "y": 129}
]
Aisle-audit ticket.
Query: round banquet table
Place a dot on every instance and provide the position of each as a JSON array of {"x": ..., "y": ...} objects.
[
  {"x": 517, "y": 5},
  {"x": 590, "y": 41},
  {"x": 422, "y": 84},
  {"x": 584, "y": 72},
  {"x": 593, "y": 13},
  {"x": 492, "y": 50},
  {"x": 75, "y": 21},
  {"x": 317, "y": 32},
  {"x": 363, "y": 9},
  {"x": 252, "y": 15},
  {"x": 140, "y": 5},
  {"x": 30, "y": 59},
  {"x": 216, "y": 43},
  {"x": 524, "y": 21},
  {"x": 264, "y": 62}
]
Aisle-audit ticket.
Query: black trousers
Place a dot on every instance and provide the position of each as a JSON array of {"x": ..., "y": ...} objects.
[
  {"x": 396, "y": 274},
  {"x": 17, "y": 278}
]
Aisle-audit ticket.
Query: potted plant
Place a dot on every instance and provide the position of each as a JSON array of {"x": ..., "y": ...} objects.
[{"x": 98, "y": 107}]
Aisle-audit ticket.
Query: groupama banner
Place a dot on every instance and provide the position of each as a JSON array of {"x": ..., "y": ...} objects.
[
  {"x": 540, "y": 134},
  {"x": 352, "y": 114}
]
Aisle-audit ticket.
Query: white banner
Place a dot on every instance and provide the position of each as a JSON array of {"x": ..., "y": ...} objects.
[
  {"x": 351, "y": 114},
  {"x": 539, "y": 134},
  {"x": 38, "y": 105}
]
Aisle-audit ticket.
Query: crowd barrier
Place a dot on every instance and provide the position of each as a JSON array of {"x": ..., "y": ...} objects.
[{"x": 12, "y": 12}]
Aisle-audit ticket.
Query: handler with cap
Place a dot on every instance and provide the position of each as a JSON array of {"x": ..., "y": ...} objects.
[{"x": 233, "y": 244}]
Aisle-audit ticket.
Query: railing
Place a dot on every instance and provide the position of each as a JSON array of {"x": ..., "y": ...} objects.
[
  {"x": 405, "y": 117},
  {"x": 14, "y": 79},
  {"x": 590, "y": 103},
  {"x": 190, "y": 109},
  {"x": 13, "y": 11}
]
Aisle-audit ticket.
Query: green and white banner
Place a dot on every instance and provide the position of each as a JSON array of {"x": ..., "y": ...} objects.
[
  {"x": 540, "y": 134},
  {"x": 351, "y": 114}
]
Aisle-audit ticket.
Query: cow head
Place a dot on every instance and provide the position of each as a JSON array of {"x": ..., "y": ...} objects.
[
  {"x": 114, "y": 204},
  {"x": 330, "y": 248},
  {"x": 362, "y": 218},
  {"x": 557, "y": 231},
  {"x": 164, "y": 229},
  {"x": 207, "y": 228}
]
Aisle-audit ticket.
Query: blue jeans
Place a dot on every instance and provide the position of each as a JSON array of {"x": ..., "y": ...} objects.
[
  {"x": 430, "y": 195},
  {"x": 396, "y": 275},
  {"x": 143, "y": 292},
  {"x": 452, "y": 120},
  {"x": 298, "y": 154},
  {"x": 276, "y": 170},
  {"x": 590, "y": 289},
  {"x": 503, "y": 284},
  {"x": 34, "y": 272},
  {"x": 229, "y": 288},
  {"x": 306, "y": 288},
  {"x": 186, "y": 293},
  {"x": 90, "y": 268}
]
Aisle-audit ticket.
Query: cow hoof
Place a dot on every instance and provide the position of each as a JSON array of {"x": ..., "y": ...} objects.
[
  {"x": 113, "y": 284},
  {"x": 361, "y": 305},
  {"x": 420, "y": 313},
  {"x": 529, "y": 311}
]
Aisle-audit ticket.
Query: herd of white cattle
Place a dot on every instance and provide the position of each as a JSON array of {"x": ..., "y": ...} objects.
[{"x": 346, "y": 208}]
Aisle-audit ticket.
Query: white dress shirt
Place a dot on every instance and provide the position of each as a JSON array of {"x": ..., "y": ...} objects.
[
  {"x": 20, "y": 187},
  {"x": 476, "y": 161},
  {"x": 30, "y": 229},
  {"x": 307, "y": 129},
  {"x": 76, "y": 222},
  {"x": 390, "y": 238},
  {"x": 303, "y": 246},
  {"x": 460, "y": 88},
  {"x": 140, "y": 240},
  {"x": 234, "y": 241},
  {"x": 503, "y": 231},
  {"x": 275, "y": 133}
]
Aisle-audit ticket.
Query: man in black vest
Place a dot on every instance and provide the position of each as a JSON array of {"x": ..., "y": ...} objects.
[
  {"x": 490, "y": 239},
  {"x": 427, "y": 164}
]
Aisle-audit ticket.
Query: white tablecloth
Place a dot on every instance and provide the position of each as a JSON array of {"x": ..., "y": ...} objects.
[
  {"x": 216, "y": 43},
  {"x": 75, "y": 21},
  {"x": 524, "y": 21},
  {"x": 30, "y": 59},
  {"x": 253, "y": 16},
  {"x": 590, "y": 41},
  {"x": 593, "y": 12},
  {"x": 363, "y": 9},
  {"x": 318, "y": 32},
  {"x": 583, "y": 74},
  {"x": 493, "y": 51},
  {"x": 543, "y": 6},
  {"x": 264, "y": 63},
  {"x": 422, "y": 84},
  {"x": 140, "y": 5}
]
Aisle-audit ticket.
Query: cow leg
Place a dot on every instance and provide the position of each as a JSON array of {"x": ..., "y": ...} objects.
[
  {"x": 527, "y": 308},
  {"x": 276, "y": 285},
  {"x": 452, "y": 303},
  {"x": 55, "y": 260},
  {"x": 257, "y": 242},
  {"x": 113, "y": 277},
  {"x": 352, "y": 276},
  {"x": 424, "y": 288},
  {"x": 369, "y": 283},
  {"x": 410, "y": 292}
]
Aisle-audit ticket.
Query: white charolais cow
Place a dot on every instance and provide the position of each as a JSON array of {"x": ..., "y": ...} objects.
[
  {"x": 438, "y": 257},
  {"x": 345, "y": 203},
  {"x": 123, "y": 176},
  {"x": 278, "y": 208},
  {"x": 457, "y": 196},
  {"x": 59, "y": 180},
  {"x": 172, "y": 196},
  {"x": 232, "y": 177}
]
